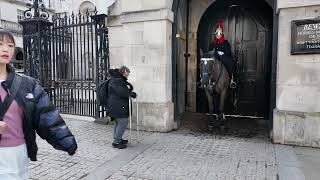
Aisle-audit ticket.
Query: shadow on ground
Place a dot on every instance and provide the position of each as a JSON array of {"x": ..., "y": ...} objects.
[{"x": 243, "y": 127}]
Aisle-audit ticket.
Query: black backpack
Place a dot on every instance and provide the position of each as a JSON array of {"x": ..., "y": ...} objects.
[{"x": 102, "y": 92}]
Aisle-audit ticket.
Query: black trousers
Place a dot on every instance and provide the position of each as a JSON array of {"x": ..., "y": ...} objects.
[{"x": 227, "y": 61}]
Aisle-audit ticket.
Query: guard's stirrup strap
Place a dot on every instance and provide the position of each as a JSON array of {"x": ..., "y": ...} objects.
[{"x": 233, "y": 84}]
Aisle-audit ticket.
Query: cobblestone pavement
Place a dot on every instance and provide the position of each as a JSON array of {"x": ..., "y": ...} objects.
[
  {"x": 179, "y": 156},
  {"x": 94, "y": 149},
  {"x": 175, "y": 155}
]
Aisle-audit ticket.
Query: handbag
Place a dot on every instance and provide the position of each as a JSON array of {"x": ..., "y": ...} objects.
[{"x": 11, "y": 94}]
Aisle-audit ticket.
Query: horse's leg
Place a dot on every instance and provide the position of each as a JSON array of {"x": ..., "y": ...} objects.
[
  {"x": 221, "y": 106},
  {"x": 210, "y": 101},
  {"x": 210, "y": 104}
]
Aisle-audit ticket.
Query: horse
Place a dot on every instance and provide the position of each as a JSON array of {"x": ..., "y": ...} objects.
[{"x": 214, "y": 78}]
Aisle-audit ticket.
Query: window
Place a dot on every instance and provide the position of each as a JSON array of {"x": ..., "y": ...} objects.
[
  {"x": 20, "y": 14},
  {"x": 61, "y": 14},
  {"x": 87, "y": 7}
]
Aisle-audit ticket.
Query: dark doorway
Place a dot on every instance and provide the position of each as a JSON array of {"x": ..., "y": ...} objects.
[{"x": 248, "y": 28}]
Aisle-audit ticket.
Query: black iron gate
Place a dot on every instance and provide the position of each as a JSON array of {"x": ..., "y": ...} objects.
[{"x": 69, "y": 56}]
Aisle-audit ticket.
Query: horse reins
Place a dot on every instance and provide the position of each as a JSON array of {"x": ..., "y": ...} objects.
[{"x": 221, "y": 68}]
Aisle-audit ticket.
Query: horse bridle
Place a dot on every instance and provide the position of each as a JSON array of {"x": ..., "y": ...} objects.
[
  {"x": 205, "y": 62},
  {"x": 213, "y": 83}
]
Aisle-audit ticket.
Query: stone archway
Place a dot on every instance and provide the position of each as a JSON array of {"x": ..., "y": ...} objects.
[
  {"x": 197, "y": 10},
  {"x": 248, "y": 28}
]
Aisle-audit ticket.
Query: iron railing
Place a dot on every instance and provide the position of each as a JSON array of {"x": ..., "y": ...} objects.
[{"x": 68, "y": 56}]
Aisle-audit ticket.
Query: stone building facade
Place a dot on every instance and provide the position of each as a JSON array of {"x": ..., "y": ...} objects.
[
  {"x": 11, "y": 12},
  {"x": 69, "y": 6},
  {"x": 159, "y": 41},
  {"x": 296, "y": 118},
  {"x": 140, "y": 35}
]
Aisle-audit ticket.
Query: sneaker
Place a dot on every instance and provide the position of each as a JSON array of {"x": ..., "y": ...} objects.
[
  {"x": 119, "y": 145},
  {"x": 124, "y": 141}
]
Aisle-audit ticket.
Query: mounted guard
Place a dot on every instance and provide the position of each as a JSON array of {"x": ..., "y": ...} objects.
[{"x": 223, "y": 51}]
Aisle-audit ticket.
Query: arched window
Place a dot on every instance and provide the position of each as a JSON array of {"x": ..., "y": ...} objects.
[{"x": 87, "y": 6}]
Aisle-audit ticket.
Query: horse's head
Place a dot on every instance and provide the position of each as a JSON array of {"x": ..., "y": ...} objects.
[{"x": 207, "y": 63}]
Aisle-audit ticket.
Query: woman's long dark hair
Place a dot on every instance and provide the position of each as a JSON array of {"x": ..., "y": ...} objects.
[{"x": 6, "y": 35}]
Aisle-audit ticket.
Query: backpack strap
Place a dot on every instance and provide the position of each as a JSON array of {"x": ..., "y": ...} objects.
[{"x": 11, "y": 94}]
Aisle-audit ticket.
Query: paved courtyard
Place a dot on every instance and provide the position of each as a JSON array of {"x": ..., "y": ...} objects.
[{"x": 177, "y": 155}]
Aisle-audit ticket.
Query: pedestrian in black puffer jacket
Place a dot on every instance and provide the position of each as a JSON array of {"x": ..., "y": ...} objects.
[
  {"x": 119, "y": 91},
  {"x": 30, "y": 112},
  {"x": 40, "y": 116}
]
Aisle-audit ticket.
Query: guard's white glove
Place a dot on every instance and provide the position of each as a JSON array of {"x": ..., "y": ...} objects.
[{"x": 220, "y": 53}]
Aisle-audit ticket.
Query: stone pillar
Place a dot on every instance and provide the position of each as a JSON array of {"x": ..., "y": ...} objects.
[
  {"x": 140, "y": 35},
  {"x": 296, "y": 119}
]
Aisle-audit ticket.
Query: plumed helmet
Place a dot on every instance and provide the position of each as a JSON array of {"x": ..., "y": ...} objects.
[{"x": 219, "y": 28}]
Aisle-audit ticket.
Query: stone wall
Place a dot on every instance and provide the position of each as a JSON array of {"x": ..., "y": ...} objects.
[
  {"x": 281, "y": 4},
  {"x": 140, "y": 33},
  {"x": 70, "y": 6},
  {"x": 296, "y": 117},
  {"x": 181, "y": 63}
]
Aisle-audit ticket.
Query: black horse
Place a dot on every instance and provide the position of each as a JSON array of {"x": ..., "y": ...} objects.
[{"x": 214, "y": 78}]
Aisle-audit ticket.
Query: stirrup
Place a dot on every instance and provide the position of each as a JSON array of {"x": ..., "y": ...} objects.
[{"x": 233, "y": 84}]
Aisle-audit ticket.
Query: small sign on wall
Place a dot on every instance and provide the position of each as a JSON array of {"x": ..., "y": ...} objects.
[{"x": 305, "y": 36}]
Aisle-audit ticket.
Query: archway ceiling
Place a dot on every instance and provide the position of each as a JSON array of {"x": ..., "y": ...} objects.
[{"x": 270, "y": 2}]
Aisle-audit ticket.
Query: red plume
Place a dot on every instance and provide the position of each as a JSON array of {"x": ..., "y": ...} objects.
[{"x": 220, "y": 24}]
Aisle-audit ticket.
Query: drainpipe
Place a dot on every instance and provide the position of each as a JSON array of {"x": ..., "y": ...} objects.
[
  {"x": 175, "y": 57},
  {"x": 187, "y": 55},
  {"x": 273, "y": 82}
]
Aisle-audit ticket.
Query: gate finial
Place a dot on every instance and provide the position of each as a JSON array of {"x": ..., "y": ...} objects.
[{"x": 39, "y": 10}]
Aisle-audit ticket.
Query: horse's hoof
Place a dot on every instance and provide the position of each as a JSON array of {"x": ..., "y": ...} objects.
[
  {"x": 222, "y": 128},
  {"x": 210, "y": 127}
]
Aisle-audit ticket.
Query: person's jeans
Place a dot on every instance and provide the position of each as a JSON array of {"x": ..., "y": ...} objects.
[{"x": 119, "y": 128}]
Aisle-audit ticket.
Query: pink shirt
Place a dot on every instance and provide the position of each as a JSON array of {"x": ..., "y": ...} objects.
[{"x": 13, "y": 134}]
